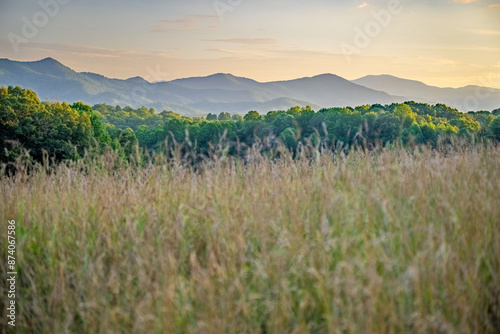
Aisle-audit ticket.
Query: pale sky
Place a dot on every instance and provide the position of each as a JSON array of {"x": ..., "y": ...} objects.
[{"x": 446, "y": 43}]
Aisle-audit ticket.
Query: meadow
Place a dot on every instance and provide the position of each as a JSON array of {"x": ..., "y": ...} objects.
[{"x": 383, "y": 241}]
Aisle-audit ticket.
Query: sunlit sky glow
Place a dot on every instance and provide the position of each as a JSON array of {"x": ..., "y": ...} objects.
[{"x": 440, "y": 42}]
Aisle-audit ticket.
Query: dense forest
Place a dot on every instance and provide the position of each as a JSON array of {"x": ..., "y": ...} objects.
[{"x": 62, "y": 131}]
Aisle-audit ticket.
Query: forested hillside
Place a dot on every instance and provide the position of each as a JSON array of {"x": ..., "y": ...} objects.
[{"x": 67, "y": 131}]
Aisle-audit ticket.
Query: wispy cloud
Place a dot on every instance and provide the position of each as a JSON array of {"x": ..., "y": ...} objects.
[
  {"x": 75, "y": 49},
  {"x": 243, "y": 53},
  {"x": 363, "y": 5},
  {"x": 280, "y": 54},
  {"x": 465, "y": 1},
  {"x": 247, "y": 41},
  {"x": 487, "y": 32},
  {"x": 187, "y": 23},
  {"x": 494, "y": 5},
  {"x": 63, "y": 51},
  {"x": 446, "y": 62}
]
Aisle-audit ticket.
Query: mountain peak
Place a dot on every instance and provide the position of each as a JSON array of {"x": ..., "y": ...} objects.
[
  {"x": 49, "y": 61},
  {"x": 137, "y": 79},
  {"x": 221, "y": 75},
  {"x": 45, "y": 61},
  {"x": 326, "y": 75},
  {"x": 47, "y": 67},
  {"x": 228, "y": 76},
  {"x": 387, "y": 78},
  {"x": 50, "y": 64}
]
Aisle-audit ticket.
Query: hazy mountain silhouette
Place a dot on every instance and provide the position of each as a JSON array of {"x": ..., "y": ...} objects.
[
  {"x": 224, "y": 92},
  {"x": 215, "y": 93},
  {"x": 464, "y": 99},
  {"x": 330, "y": 90}
]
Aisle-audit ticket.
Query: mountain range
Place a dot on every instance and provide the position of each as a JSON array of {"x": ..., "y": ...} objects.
[{"x": 51, "y": 80}]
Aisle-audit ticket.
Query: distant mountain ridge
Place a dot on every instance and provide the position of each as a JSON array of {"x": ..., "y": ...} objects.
[
  {"x": 225, "y": 92},
  {"x": 468, "y": 98}
]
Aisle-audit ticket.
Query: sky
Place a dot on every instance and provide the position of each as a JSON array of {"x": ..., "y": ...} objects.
[{"x": 446, "y": 43}]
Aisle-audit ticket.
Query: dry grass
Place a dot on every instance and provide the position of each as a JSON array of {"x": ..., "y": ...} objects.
[{"x": 390, "y": 242}]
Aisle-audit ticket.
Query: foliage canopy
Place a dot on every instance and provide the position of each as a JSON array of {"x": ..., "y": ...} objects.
[{"x": 66, "y": 131}]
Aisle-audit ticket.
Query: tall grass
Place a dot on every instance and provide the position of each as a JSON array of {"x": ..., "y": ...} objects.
[{"x": 386, "y": 242}]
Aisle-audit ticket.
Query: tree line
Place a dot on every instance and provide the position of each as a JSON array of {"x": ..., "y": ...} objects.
[{"x": 66, "y": 131}]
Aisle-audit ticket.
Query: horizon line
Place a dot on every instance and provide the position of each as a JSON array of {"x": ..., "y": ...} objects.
[{"x": 243, "y": 77}]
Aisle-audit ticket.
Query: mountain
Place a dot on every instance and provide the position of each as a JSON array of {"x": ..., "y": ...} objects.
[
  {"x": 330, "y": 90},
  {"x": 192, "y": 96},
  {"x": 326, "y": 90},
  {"x": 196, "y": 96},
  {"x": 464, "y": 99}
]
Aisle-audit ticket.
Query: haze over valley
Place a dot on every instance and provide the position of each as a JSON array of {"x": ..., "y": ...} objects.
[{"x": 222, "y": 92}]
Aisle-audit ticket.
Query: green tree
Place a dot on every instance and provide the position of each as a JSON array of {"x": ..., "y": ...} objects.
[
  {"x": 224, "y": 116},
  {"x": 236, "y": 118},
  {"x": 405, "y": 114},
  {"x": 494, "y": 129},
  {"x": 466, "y": 125},
  {"x": 58, "y": 129},
  {"x": 289, "y": 137},
  {"x": 99, "y": 130},
  {"x": 211, "y": 117},
  {"x": 128, "y": 141},
  {"x": 387, "y": 127},
  {"x": 252, "y": 116},
  {"x": 415, "y": 133},
  {"x": 429, "y": 133}
]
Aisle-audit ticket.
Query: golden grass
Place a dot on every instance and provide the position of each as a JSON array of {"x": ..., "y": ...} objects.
[{"x": 387, "y": 242}]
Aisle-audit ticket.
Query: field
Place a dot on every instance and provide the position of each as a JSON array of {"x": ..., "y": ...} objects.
[{"x": 390, "y": 241}]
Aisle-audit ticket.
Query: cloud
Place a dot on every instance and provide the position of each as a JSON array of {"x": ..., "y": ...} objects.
[
  {"x": 446, "y": 62},
  {"x": 487, "y": 32},
  {"x": 242, "y": 54},
  {"x": 280, "y": 54},
  {"x": 64, "y": 51},
  {"x": 53, "y": 49},
  {"x": 465, "y": 1},
  {"x": 495, "y": 5},
  {"x": 247, "y": 41},
  {"x": 187, "y": 23},
  {"x": 363, "y": 5}
]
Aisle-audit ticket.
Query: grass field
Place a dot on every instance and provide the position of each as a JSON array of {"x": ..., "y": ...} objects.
[{"x": 385, "y": 242}]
